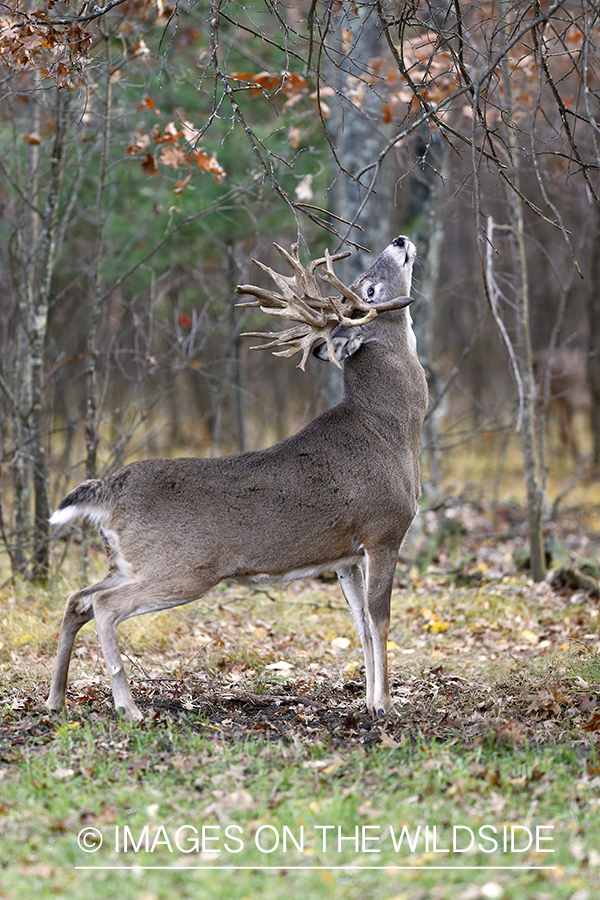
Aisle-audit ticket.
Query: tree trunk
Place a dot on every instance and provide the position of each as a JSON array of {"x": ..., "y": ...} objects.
[
  {"x": 20, "y": 467},
  {"x": 533, "y": 481},
  {"x": 238, "y": 377},
  {"x": 358, "y": 133},
  {"x": 27, "y": 242},
  {"x": 91, "y": 408},
  {"x": 593, "y": 359},
  {"x": 91, "y": 350},
  {"x": 425, "y": 211},
  {"x": 37, "y": 340}
]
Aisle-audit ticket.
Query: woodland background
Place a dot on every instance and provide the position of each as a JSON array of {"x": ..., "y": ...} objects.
[{"x": 149, "y": 151}]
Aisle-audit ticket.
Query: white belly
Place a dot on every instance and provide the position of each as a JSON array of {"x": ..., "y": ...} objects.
[{"x": 297, "y": 574}]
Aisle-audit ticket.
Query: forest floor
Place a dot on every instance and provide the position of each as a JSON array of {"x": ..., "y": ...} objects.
[{"x": 254, "y": 718}]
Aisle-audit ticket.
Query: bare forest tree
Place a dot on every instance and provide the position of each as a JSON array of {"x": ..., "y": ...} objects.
[{"x": 141, "y": 141}]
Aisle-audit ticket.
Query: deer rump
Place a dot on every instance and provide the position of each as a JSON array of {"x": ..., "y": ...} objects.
[{"x": 339, "y": 495}]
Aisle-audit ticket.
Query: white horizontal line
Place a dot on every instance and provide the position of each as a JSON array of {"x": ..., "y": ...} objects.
[{"x": 323, "y": 868}]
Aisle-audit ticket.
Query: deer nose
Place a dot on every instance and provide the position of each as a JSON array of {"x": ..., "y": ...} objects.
[{"x": 399, "y": 241}]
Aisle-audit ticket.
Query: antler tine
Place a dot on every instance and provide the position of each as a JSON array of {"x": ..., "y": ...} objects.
[
  {"x": 285, "y": 283},
  {"x": 293, "y": 287},
  {"x": 301, "y": 300},
  {"x": 331, "y": 278},
  {"x": 306, "y": 344},
  {"x": 305, "y": 275},
  {"x": 265, "y": 297},
  {"x": 335, "y": 258},
  {"x": 305, "y": 281},
  {"x": 343, "y": 319},
  {"x": 312, "y": 265},
  {"x": 277, "y": 338},
  {"x": 300, "y": 311},
  {"x": 295, "y": 339},
  {"x": 261, "y": 294}
]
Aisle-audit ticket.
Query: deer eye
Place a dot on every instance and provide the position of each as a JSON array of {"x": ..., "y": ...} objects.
[{"x": 371, "y": 292}]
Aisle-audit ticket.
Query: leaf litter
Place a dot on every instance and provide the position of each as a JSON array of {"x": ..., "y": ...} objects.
[{"x": 477, "y": 653}]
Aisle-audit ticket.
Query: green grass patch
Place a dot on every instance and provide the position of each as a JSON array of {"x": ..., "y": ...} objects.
[{"x": 163, "y": 796}]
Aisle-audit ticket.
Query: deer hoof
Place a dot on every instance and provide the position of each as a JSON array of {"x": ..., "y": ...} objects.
[
  {"x": 380, "y": 711},
  {"x": 130, "y": 712}
]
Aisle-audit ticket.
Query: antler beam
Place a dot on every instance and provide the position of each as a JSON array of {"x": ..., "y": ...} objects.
[{"x": 300, "y": 299}]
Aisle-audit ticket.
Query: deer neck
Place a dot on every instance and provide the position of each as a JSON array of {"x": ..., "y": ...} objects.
[{"x": 384, "y": 383}]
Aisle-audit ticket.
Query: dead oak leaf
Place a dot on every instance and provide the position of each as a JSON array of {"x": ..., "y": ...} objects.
[
  {"x": 149, "y": 166},
  {"x": 180, "y": 186},
  {"x": 211, "y": 164},
  {"x": 594, "y": 723},
  {"x": 148, "y": 103},
  {"x": 139, "y": 143},
  {"x": 174, "y": 157},
  {"x": 169, "y": 134}
]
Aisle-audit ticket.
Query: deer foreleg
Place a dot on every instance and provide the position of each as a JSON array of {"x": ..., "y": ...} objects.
[{"x": 379, "y": 577}]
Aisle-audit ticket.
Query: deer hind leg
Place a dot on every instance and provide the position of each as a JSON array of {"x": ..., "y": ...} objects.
[
  {"x": 114, "y": 605},
  {"x": 352, "y": 583},
  {"x": 567, "y": 431},
  {"x": 78, "y": 611}
]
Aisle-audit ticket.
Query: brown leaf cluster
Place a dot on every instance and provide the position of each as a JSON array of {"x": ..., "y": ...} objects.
[
  {"x": 291, "y": 85},
  {"x": 430, "y": 73},
  {"x": 288, "y": 83},
  {"x": 176, "y": 150},
  {"x": 57, "y": 51}
]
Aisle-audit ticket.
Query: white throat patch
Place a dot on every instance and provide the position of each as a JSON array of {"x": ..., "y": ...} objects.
[{"x": 410, "y": 335}]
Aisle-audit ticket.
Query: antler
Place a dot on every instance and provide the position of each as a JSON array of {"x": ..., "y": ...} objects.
[{"x": 301, "y": 300}]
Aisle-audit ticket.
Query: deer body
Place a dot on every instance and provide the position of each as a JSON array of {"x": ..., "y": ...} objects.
[
  {"x": 563, "y": 374},
  {"x": 339, "y": 495}
]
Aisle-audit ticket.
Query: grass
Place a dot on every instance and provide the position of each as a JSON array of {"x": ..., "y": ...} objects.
[
  {"x": 157, "y": 788},
  {"x": 117, "y": 777}
]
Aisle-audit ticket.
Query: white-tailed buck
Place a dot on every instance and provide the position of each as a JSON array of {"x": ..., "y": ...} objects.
[{"x": 338, "y": 496}]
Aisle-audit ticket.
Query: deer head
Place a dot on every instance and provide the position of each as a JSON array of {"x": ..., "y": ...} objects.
[{"x": 384, "y": 286}]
